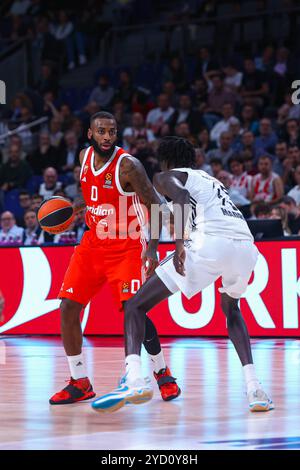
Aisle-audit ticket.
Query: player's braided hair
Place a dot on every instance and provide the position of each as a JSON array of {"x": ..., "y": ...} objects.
[
  {"x": 102, "y": 115},
  {"x": 176, "y": 152}
]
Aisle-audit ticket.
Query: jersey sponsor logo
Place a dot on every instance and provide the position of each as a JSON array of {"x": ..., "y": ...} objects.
[
  {"x": 108, "y": 181},
  {"x": 100, "y": 210}
]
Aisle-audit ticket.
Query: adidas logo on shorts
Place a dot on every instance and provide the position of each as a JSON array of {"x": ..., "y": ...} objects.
[{"x": 70, "y": 290}]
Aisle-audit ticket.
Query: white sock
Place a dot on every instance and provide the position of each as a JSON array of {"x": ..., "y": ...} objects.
[
  {"x": 252, "y": 381},
  {"x": 158, "y": 361},
  {"x": 133, "y": 366},
  {"x": 77, "y": 366}
]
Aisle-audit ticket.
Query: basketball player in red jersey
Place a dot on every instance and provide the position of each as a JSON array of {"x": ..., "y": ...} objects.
[{"x": 109, "y": 179}]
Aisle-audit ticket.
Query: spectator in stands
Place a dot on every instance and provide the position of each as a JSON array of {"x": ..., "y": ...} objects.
[
  {"x": 219, "y": 95},
  {"x": 249, "y": 122},
  {"x": 216, "y": 166},
  {"x": 69, "y": 157},
  {"x": 233, "y": 77},
  {"x": 223, "y": 124},
  {"x": 141, "y": 101},
  {"x": 77, "y": 127},
  {"x": 80, "y": 225},
  {"x": 293, "y": 211},
  {"x": 157, "y": 117},
  {"x": 289, "y": 166},
  {"x": 241, "y": 181},
  {"x": 224, "y": 152},
  {"x": 26, "y": 134},
  {"x": 25, "y": 202},
  {"x": 66, "y": 116},
  {"x": 15, "y": 173},
  {"x": 55, "y": 132},
  {"x": 200, "y": 161},
  {"x": 64, "y": 33},
  {"x": 48, "y": 80},
  {"x": 175, "y": 72},
  {"x": 15, "y": 139},
  {"x": 125, "y": 90},
  {"x": 279, "y": 213},
  {"x": 103, "y": 93},
  {"x": 9, "y": 231},
  {"x": 292, "y": 132},
  {"x": 248, "y": 146},
  {"x": 266, "y": 186},
  {"x": 36, "y": 201},
  {"x": 265, "y": 63},
  {"x": 144, "y": 153},
  {"x": 50, "y": 184},
  {"x": 295, "y": 191},
  {"x": 254, "y": 84},
  {"x": 46, "y": 155},
  {"x": 267, "y": 138},
  {"x": 186, "y": 113},
  {"x": 204, "y": 141},
  {"x": 199, "y": 93},
  {"x": 32, "y": 234},
  {"x": 169, "y": 89},
  {"x": 205, "y": 63},
  {"x": 73, "y": 190},
  {"x": 136, "y": 130},
  {"x": 281, "y": 150},
  {"x": 183, "y": 130},
  {"x": 261, "y": 210}
]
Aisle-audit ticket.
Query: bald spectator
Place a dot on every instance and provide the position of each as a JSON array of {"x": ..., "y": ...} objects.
[
  {"x": 15, "y": 173},
  {"x": 157, "y": 117},
  {"x": 137, "y": 129},
  {"x": 9, "y": 231},
  {"x": 266, "y": 186},
  {"x": 46, "y": 155},
  {"x": 224, "y": 152},
  {"x": 50, "y": 184}
]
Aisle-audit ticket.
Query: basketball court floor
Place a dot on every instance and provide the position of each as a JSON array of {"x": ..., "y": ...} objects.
[{"x": 211, "y": 413}]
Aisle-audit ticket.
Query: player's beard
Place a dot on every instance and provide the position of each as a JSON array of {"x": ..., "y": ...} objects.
[{"x": 103, "y": 153}]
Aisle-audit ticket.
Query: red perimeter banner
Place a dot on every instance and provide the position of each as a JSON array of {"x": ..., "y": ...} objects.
[{"x": 30, "y": 278}]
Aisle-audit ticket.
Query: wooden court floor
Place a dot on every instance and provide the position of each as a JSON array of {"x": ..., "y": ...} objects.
[{"x": 211, "y": 413}]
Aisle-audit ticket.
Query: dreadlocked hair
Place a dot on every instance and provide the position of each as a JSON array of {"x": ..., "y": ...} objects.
[{"x": 176, "y": 152}]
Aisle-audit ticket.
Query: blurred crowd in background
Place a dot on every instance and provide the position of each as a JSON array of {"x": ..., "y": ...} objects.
[{"x": 238, "y": 113}]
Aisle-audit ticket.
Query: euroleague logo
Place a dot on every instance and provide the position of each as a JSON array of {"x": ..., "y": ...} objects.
[
  {"x": 108, "y": 180},
  {"x": 125, "y": 287}
]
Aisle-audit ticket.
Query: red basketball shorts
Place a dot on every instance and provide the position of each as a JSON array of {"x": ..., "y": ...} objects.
[{"x": 93, "y": 263}]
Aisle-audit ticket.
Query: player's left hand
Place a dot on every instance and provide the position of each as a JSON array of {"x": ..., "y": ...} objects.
[
  {"x": 179, "y": 257},
  {"x": 149, "y": 261}
]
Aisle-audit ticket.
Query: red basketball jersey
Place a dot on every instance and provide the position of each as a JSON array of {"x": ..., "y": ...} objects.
[{"x": 116, "y": 216}]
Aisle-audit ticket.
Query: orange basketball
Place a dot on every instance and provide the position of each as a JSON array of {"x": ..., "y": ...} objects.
[{"x": 55, "y": 215}]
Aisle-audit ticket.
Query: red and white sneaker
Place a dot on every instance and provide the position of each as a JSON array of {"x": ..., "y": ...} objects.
[
  {"x": 76, "y": 390},
  {"x": 167, "y": 384}
]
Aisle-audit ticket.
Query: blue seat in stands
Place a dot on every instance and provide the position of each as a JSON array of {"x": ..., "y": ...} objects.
[{"x": 11, "y": 202}]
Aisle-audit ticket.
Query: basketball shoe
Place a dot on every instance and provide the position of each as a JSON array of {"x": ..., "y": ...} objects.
[
  {"x": 167, "y": 384},
  {"x": 137, "y": 392},
  {"x": 259, "y": 401},
  {"x": 76, "y": 390}
]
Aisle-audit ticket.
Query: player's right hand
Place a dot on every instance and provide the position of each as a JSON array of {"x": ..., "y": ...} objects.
[{"x": 179, "y": 257}]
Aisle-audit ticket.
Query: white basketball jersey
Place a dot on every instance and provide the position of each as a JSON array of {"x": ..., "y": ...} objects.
[{"x": 212, "y": 211}]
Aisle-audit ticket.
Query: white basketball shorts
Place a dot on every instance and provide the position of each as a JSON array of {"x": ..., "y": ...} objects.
[{"x": 233, "y": 260}]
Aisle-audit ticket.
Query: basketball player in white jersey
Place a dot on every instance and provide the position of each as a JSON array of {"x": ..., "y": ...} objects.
[{"x": 218, "y": 244}]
